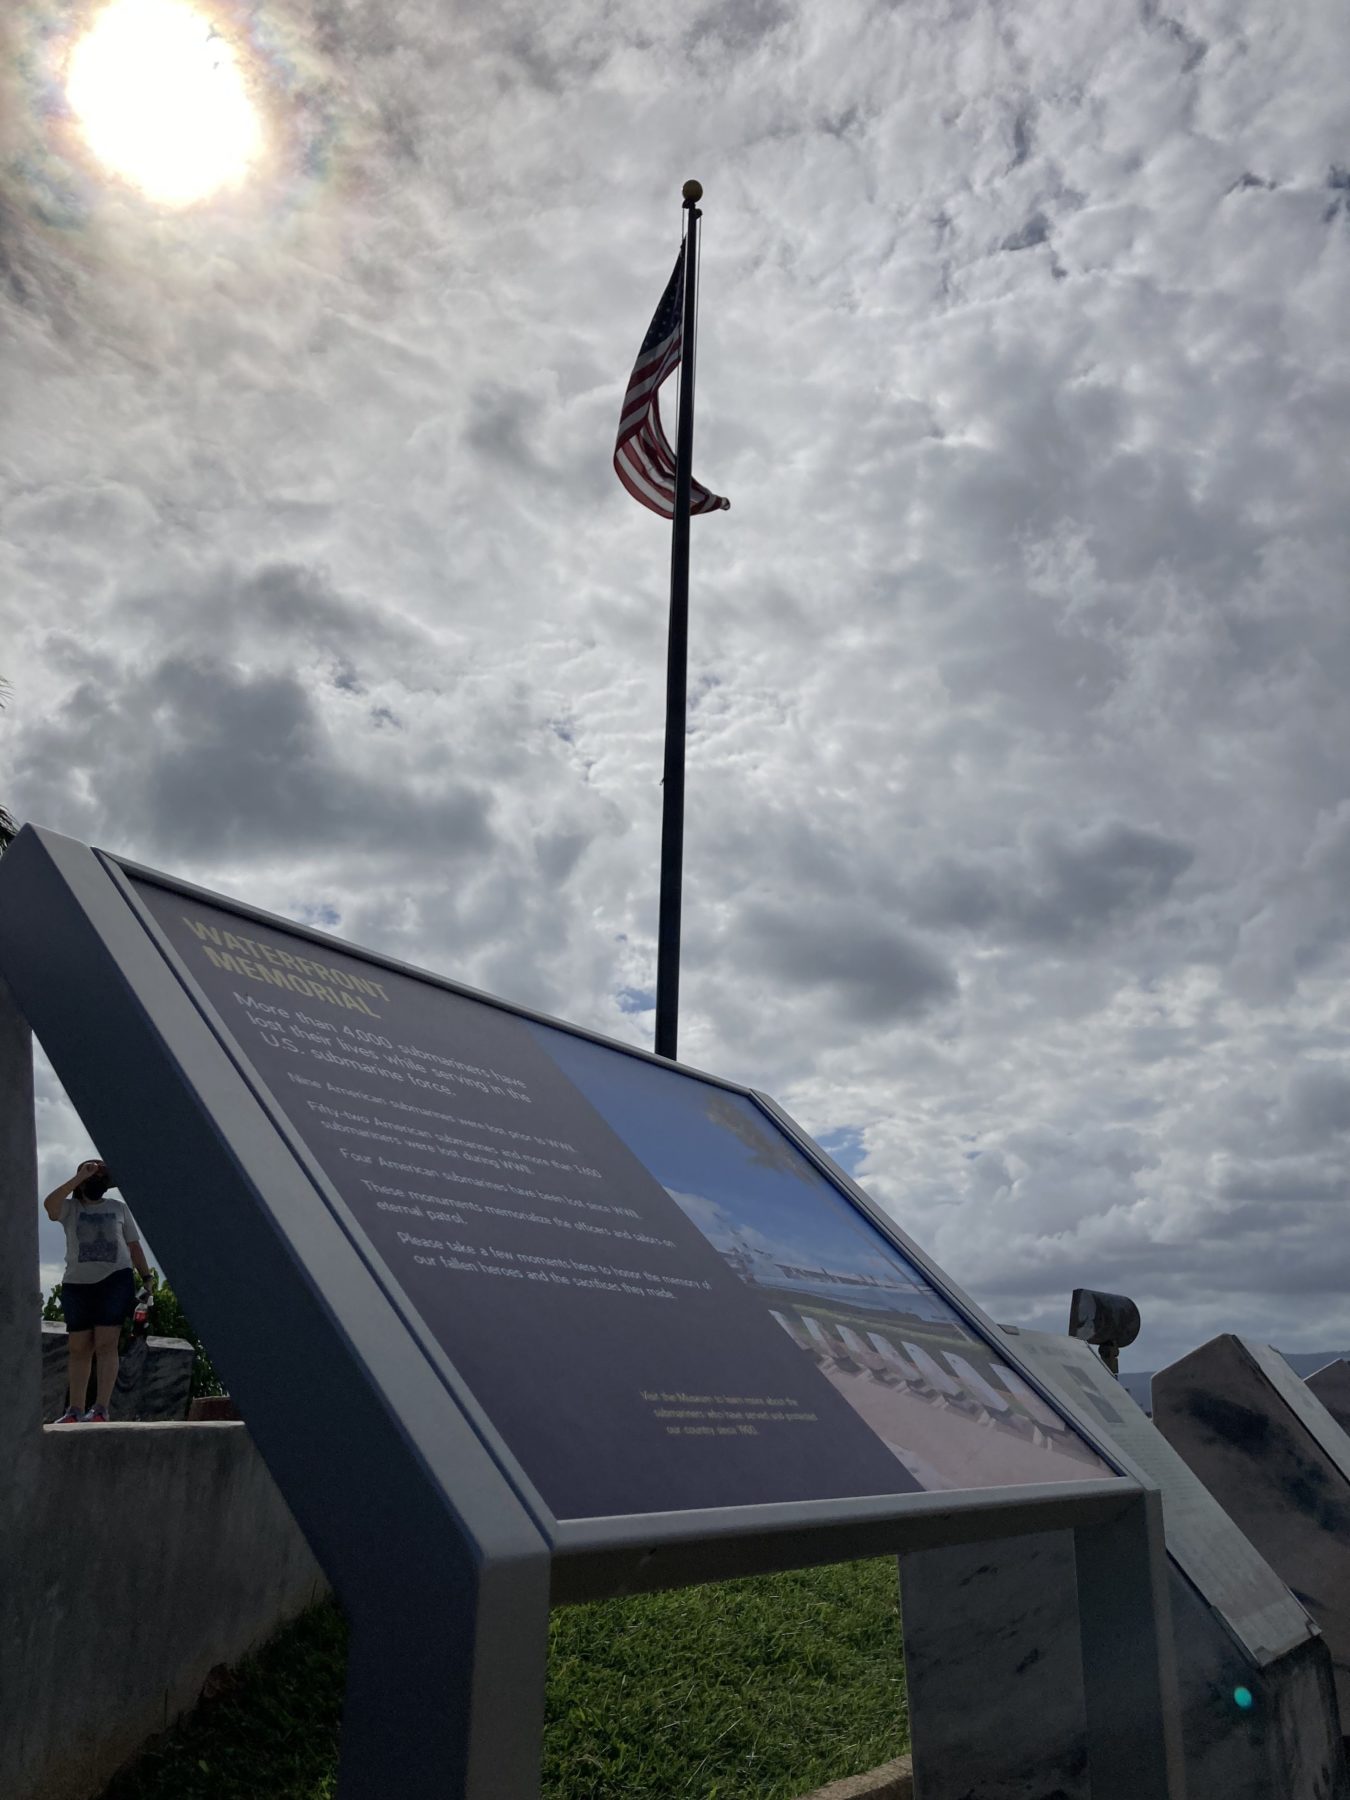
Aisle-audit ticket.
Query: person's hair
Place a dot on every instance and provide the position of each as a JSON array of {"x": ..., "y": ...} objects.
[{"x": 94, "y": 1187}]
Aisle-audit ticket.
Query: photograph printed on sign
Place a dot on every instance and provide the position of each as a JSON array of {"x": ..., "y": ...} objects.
[{"x": 944, "y": 1403}]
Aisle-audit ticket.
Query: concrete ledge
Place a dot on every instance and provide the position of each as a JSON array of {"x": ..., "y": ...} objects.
[
  {"x": 197, "y": 1560},
  {"x": 115, "y": 1428},
  {"x": 892, "y": 1781}
]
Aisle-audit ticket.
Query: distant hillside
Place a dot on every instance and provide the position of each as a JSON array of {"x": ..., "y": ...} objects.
[
  {"x": 1308, "y": 1362},
  {"x": 1139, "y": 1388},
  {"x": 1302, "y": 1362}
]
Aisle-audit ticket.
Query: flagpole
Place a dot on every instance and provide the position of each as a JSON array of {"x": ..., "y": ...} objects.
[{"x": 677, "y": 664}]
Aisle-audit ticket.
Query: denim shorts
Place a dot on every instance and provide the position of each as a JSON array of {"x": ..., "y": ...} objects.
[{"x": 90, "y": 1303}]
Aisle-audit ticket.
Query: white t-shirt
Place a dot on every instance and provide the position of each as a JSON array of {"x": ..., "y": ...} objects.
[{"x": 97, "y": 1236}]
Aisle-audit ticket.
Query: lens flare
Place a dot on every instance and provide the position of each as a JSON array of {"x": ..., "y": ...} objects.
[
  {"x": 162, "y": 102},
  {"x": 1243, "y": 1699}
]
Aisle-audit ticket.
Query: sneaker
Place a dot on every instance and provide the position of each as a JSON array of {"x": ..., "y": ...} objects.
[
  {"x": 97, "y": 1415},
  {"x": 71, "y": 1416}
]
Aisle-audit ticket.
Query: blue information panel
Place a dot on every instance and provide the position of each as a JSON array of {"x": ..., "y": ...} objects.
[{"x": 658, "y": 1300}]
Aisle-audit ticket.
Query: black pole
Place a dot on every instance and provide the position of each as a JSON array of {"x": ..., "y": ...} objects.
[{"x": 677, "y": 663}]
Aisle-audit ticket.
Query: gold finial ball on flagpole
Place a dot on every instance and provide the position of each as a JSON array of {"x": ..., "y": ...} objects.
[{"x": 693, "y": 192}]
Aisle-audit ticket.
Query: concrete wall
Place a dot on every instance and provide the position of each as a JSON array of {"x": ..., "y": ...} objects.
[{"x": 133, "y": 1557}]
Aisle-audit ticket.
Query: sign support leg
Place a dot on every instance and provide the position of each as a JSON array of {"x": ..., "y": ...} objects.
[
  {"x": 1129, "y": 1675},
  {"x": 445, "y": 1689}
]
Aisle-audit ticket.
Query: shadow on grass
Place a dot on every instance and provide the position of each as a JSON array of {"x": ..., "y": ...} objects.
[{"x": 749, "y": 1690}]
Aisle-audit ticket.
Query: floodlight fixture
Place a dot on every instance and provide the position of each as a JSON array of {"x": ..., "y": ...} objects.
[{"x": 1110, "y": 1321}]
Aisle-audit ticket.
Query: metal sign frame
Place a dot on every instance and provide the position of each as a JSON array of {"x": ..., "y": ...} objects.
[{"x": 420, "y": 1514}]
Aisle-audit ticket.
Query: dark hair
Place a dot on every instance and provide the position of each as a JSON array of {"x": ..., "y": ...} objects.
[{"x": 94, "y": 1187}]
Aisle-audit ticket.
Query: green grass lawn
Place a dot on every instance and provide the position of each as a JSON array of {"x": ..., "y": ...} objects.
[{"x": 761, "y": 1689}]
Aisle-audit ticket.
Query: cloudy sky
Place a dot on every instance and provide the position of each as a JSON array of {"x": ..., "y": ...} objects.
[{"x": 1018, "y": 856}]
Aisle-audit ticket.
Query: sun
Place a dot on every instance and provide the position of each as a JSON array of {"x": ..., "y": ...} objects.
[{"x": 162, "y": 102}]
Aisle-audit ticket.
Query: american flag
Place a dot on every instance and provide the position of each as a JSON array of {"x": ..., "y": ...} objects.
[{"x": 643, "y": 458}]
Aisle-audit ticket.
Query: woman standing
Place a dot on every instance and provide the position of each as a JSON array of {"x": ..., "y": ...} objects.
[{"x": 98, "y": 1294}]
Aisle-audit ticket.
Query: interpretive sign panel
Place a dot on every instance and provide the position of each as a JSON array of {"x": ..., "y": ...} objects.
[
  {"x": 517, "y": 1317},
  {"x": 659, "y": 1301}
]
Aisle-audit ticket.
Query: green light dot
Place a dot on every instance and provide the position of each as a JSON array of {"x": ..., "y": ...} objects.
[{"x": 1242, "y": 1698}]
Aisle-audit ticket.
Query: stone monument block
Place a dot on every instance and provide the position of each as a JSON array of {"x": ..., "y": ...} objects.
[
  {"x": 1259, "y": 1714},
  {"x": 1278, "y": 1463},
  {"x": 154, "y": 1379},
  {"x": 993, "y": 1671},
  {"x": 54, "y": 1376}
]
